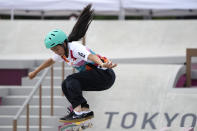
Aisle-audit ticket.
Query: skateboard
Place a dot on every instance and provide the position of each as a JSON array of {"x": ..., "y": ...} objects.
[{"x": 76, "y": 126}]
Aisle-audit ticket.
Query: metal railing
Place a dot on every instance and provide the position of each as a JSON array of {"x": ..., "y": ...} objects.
[
  {"x": 190, "y": 53},
  {"x": 29, "y": 98}
]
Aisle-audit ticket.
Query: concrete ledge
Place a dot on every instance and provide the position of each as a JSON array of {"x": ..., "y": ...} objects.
[
  {"x": 152, "y": 60},
  {"x": 119, "y": 39},
  {"x": 3, "y": 92},
  {"x": 16, "y": 64}
]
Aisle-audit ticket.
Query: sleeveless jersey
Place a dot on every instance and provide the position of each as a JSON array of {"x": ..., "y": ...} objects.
[{"x": 78, "y": 57}]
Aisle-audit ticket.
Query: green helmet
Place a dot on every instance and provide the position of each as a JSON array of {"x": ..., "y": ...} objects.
[{"x": 55, "y": 37}]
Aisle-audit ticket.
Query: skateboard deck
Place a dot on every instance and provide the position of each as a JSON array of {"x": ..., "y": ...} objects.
[{"x": 76, "y": 126}]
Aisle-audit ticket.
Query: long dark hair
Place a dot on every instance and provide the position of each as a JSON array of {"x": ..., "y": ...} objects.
[{"x": 82, "y": 24}]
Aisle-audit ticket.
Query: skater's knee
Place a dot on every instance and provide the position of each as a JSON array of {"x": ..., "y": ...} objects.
[
  {"x": 64, "y": 84},
  {"x": 66, "y": 81},
  {"x": 72, "y": 83},
  {"x": 69, "y": 80},
  {"x": 107, "y": 87}
]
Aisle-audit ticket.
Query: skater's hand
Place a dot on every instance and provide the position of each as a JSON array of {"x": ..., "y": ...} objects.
[
  {"x": 109, "y": 64},
  {"x": 31, "y": 75}
]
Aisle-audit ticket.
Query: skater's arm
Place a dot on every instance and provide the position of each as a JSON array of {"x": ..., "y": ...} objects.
[
  {"x": 98, "y": 61},
  {"x": 81, "y": 52},
  {"x": 44, "y": 65}
]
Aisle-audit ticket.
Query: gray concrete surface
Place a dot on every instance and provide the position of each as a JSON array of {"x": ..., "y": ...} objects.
[
  {"x": 115, "y": 39},
  {"x": 3, "y": 92},
  {"x": 141, "y": 93},
  {"x": 143, "y": 97}
]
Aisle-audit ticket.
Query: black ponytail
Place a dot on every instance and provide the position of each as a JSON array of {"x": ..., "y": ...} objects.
[{"x": 82, "y": 24}]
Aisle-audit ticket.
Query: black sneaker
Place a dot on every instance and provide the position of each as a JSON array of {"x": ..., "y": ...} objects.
[
  {"x": 69, "y": 114},
  {"x": 72, "y": 117},
  {"x": 89, "y": 115}
]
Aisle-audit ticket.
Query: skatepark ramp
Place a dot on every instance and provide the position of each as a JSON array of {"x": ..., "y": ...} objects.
[
  {"x": 150, "y": 57},
  {"x": 115, "y": 39},
  {"x": 143, "y": 100}
]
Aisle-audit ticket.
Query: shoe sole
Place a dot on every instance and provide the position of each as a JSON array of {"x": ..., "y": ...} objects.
[{"x": 76, "y": 120}]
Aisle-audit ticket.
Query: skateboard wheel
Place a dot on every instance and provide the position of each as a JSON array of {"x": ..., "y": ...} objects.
[
  {"x": 83, "y": 127},
  {"x": 80, "y": 129},
  {"x": 90, "y": 125}
]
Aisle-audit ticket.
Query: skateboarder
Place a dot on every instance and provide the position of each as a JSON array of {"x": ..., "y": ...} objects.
[{"x": 95, "y": 72}]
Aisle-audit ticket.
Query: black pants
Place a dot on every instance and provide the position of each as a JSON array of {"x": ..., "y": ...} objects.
[{"x": 90, "y": 80}]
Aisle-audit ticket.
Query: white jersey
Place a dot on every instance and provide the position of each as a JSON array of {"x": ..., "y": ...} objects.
[{"x": 77, "y": 56}]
